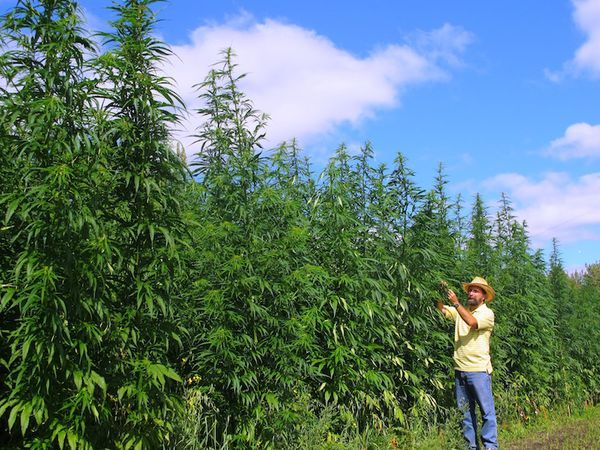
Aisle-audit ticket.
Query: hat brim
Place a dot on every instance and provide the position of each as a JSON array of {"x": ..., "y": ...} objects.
[{"x": 490, "y": 293}]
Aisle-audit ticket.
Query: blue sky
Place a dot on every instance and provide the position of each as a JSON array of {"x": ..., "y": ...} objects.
[{"x": 505, "y": 94}]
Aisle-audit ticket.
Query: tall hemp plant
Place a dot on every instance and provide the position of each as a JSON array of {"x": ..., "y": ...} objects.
[
  {"x": 249, "y": 247},
  {"x": 479, "y": 252},
  {"x": 429, "y": 255},
  {"x": 524, "y": 314},
  {"x": 357, "y": 320},
  {"x": 568, "y": 379},
  {"x": 392, "y": 201},
  {"x": 292, "y": 176},
  {"x": 8, "y": 178},
  {"x": 143, "y": 216},
  {"x": 582, "y": 322},
  {"x": 52, "y": 311}
]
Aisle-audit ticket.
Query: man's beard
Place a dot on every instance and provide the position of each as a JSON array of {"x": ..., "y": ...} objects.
[{"x": 472, "y": 302}]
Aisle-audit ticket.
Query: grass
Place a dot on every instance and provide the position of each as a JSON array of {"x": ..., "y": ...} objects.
[
  {"x": 549, "y": 430},
  {"x": 554, "y": 431}
]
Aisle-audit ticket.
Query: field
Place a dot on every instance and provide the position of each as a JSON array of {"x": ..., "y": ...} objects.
[{"x": 243, "y": 300}]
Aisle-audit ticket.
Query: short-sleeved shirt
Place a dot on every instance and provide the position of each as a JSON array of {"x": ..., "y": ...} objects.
[{"x": 472, "y": 346}]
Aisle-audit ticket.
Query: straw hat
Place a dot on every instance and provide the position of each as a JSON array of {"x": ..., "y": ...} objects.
[{"x": 481, "y": 283}]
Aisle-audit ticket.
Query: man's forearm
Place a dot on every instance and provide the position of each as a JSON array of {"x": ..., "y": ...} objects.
[
  {"x": 466, "y": 315},
  {"x": 463, "y": 312}
]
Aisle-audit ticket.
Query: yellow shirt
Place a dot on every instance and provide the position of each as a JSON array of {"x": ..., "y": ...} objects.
[{"x": 472, "y": 346}]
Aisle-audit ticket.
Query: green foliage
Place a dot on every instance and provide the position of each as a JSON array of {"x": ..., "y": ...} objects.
[
  {"x": 92, "y": 220},
  {"x": 526, "y": 313},
  {"x": 247, "y": 338},
  {"x": 52, "y": 322},
  {"x": 582, "y": 331},
  {"x": 144, "y": 218}
]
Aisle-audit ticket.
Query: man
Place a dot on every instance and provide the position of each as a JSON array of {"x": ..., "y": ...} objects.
[{"x": 473, "y": 368}]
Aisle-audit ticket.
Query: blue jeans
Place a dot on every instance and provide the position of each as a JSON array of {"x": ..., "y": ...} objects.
[{"x": 476, "y": 388}]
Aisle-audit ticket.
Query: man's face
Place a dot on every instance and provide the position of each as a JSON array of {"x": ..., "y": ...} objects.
[{"x": 476, "y": 296}]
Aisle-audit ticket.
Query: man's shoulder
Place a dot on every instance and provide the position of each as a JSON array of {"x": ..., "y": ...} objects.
[{"x": 485, "y": 317}]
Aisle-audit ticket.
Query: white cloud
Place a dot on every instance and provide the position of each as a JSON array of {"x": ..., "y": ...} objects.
[
  {"x": 556, "y": 206},
  {"x": 307, "y": 84},
  {"x": 92, "y": 22},
  {"x": 554, "y": 76},
  {"x": 586, "y": 16},
  {"x": 444, "y": 44},
  {"x": 581, "y": 140}
]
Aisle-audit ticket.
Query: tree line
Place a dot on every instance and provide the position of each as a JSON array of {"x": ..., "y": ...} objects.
[{"x": 150, "y": 303}]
